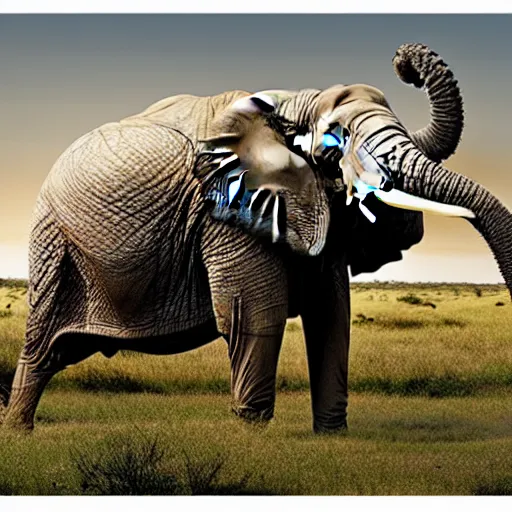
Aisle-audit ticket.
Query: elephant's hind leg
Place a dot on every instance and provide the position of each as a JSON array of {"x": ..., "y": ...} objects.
[
  {"x": 27, "y": 388},
  {"x": 30, "y": 380}
]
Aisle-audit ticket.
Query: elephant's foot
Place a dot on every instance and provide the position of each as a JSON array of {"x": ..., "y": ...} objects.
[
  {"x": 342, "y": 428},
  {"x": 252, "y": 416},
  {"x": 26, "y": 391}
]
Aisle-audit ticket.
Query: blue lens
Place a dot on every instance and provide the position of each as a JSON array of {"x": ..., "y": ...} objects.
[{"x": 330, "y": 140}]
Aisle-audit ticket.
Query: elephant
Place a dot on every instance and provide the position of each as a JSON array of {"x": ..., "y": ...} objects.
[{"x": 134, "y": 245}]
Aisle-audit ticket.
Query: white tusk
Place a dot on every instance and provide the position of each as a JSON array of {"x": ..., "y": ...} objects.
[
  {"x": 275, "y": 224},
  {"x": 402, "y": 200},
  {"x": 366, "y": 212},
  {"x": 228, "y": 160},
  {"x": 233, "y": 189},
  {"x": 254, "y": 196},
  {"x": 265, "y": 204},
  {"x": 304, "y": 141}
]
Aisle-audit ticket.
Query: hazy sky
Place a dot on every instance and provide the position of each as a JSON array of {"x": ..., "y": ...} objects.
[{"x": 62, "y": 75}]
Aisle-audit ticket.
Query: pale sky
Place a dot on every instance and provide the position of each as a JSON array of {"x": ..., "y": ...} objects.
[{"x": 63, "y": 75}]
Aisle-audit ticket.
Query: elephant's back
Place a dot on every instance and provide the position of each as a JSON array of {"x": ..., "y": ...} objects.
[
  {"x": 191, "y": 115},
  {"x": 122, "y": 194},
  {"x": 117, "y": 181}
]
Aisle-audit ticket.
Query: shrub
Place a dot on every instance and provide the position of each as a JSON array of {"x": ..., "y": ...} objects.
[
  {"x": 14, "y": 283},
  {"x": 410, "y": 298},
  {"x": 500, "y": 487},
  {"x": 135, "y": 466},
  {"x": 6, "y": 489},
  {"x": 362, "y": 319},
  {"x": 202, "y": 478},
  {"x": 125, "y": 467}
]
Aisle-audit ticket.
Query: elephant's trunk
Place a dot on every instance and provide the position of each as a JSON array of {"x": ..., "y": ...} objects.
[
  {"x": 418, "y": 65},
  {"x": 424, "y": 178}
]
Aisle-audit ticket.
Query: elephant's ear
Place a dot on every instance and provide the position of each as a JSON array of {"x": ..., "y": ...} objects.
[
  {"x": 339, "y": 95},
  {"x": 259, "y": 103},
  {"x": 243, "y": 116},
  {"x": 253, "y": 180},
  {"x": 373, "y": 245},
  {"x": 263, "y": 102},
  {"x": 222, "y": 140}
]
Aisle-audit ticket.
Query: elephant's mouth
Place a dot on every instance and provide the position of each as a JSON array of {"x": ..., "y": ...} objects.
[
  {"x": 360, "y": 172},
  {"x": 261, "y": 211}
]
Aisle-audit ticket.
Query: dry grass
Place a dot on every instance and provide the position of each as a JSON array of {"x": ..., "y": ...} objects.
[
  {"x": 460, "y": 348},
  {"x": 401, "y": 440}
]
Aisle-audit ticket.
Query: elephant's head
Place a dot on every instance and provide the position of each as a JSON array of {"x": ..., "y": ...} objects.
[
  {"x": 284, "y": 192},
  {"x": 255, "y": 180},
  {"x": 379, "y": 156}
]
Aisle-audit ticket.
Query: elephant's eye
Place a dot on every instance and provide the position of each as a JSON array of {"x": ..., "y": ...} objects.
[
  {"x": 337, "y": 136},
  {"x": 330, "y": 140}
]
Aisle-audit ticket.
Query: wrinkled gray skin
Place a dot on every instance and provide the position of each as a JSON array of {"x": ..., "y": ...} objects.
[{"x": 124, "y": 255}]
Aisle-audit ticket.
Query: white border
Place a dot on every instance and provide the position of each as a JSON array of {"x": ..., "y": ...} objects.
[
  {"x": 258, "y": 503},
  {"x": 261, "y": 6}
]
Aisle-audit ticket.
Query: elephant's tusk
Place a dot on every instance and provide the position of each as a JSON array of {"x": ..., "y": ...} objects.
[
  {"x": 304, "y": 141},
  {"x": 402, "y": 200},
  {"x": 233, "y": 188},
  {"x": 254, "y": 196},
  {"x": 365, "y": 211},
  {"x": 275, "y": 220},
  {"x": 230, "y": 163}
]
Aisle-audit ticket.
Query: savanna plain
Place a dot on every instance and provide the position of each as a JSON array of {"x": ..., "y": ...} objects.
[{"x": 430, "y": 409}]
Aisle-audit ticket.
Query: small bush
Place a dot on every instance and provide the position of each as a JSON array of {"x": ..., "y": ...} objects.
[
  {"x": 362, "y": 319},
  {"x": 6, "y": 489},
  {"x": 203, "y": 478},
  {"x": 501, "y": 487},
  {"x": 125, "y": 467},
  {"x": 14, "y": 283},
  {"x": 135, "y": 466},
  {"x": 293, "y": 327},
  {"x": 451, "y": 322},
  {"x": 401, "y": 323},
  {"x": 478, "y": 291},
  {"x": 410, "y": 298}
]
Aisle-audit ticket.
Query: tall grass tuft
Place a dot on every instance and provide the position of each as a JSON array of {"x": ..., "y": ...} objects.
[
  {"x": 137, "y": 465},
  {"x": 202, "y": 478},
  {"x": 500, "y": 487},
  {"x": 410, "y": 298},
  {"x": 6, "y": 489},
  {"x": 125, "y": 467}
]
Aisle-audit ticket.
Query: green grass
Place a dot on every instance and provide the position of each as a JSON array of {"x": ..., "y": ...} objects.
[
  {"x": 394, "y": 446},
  {"x": 460, "y": 348},
  {"x": 430, "y": 407}
]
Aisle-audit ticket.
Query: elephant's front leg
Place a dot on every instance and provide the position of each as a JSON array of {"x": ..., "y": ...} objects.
[
  {"x": 249, "y": 294},
  {"x": 326, "y": 321}
]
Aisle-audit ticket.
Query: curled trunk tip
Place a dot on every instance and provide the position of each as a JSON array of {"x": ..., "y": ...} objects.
[{"x": 418, "y": 65}]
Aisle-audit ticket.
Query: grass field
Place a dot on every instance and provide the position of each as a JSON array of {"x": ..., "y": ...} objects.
[{"x": 430, "y": 410}]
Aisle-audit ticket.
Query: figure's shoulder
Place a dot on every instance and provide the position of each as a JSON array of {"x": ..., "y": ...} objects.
[{"x": 166, "y": 104}]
